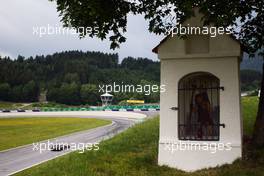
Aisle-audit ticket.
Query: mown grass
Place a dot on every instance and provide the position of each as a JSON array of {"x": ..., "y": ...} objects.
[
  {"x": 20, "y": 131},
  {"x": 134, "y": 153},
  {"x": 32, "y": 105},
  {"x": 249, "y": 111},
  {"x": 9, "y": 105},
  {"x": 46, "y": 105}
]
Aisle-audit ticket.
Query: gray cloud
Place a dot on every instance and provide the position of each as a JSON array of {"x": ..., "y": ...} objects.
[{"x": 17, "y": 19}]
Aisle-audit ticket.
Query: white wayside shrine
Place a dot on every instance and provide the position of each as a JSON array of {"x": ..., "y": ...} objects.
[{"x": 200, "y": 121}]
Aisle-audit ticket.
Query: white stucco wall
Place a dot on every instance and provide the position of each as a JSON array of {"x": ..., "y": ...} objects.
[
  {"x": 226, "y": 69},
  {"x": 222, "y": 60}
]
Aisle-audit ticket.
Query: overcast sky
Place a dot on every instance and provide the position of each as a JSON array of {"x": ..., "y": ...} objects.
[{"x": 17, "y": 19}]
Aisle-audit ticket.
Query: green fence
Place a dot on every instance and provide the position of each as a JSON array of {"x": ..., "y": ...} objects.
[{"x": 106, "y": 108}]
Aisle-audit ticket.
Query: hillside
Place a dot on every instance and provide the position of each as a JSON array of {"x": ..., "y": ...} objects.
[
  {"x": 252, "y": 63},
  {"x": 72, "y": 77}
]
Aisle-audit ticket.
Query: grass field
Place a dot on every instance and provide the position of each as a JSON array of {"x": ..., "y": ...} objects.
[
  {"x": 20, "y": 131},
  {"x": 9, "y": 105},
  {"x": 249, "y": 111},
  {"x": 28, "y": 106},
  {"x": 134, "y": 153},
  {"x": 41, "y": 105}
]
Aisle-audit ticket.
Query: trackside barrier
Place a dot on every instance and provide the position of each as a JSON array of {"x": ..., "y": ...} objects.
[{"x": 107, "y": 108}]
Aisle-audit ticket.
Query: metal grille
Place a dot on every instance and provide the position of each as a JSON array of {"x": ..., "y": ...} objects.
[{"x": 198, "y": 117}]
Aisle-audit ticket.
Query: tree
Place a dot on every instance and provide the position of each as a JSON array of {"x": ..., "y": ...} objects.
[
  {"x": 30, "y": 92},
  {"x": 72, "y": 77},
  {"x": 53, "y": 94},
  {"x": 251, "y": 36},
  {"x": 69, "y": 94},
  {"x": 250, "y": 80},
  {"x": 89, "y": 94},
  {"x": 66, "y": 94},
  {"x": 258, "y": 134},
  {"x": 16, "y": 93},
  {"x": 20, "y": 58},
  {"x": 4, "y": 91},
  {"x": 164, "y": 14}
]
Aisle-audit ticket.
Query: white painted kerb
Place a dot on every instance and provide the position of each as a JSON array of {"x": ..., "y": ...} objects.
[{"x": 105, "y": 114}]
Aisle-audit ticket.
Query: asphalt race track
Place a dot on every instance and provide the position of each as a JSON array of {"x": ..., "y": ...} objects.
[{"x": 21, "y": 158}]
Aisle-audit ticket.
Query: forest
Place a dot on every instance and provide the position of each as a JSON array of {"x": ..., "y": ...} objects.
[{"x": 73, "y": 77}]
